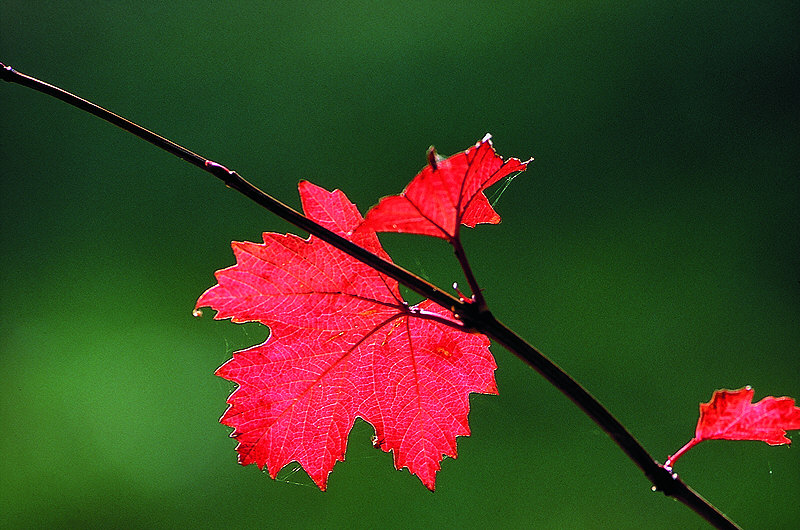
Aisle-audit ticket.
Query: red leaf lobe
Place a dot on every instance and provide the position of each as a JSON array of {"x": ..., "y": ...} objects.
[
  {"x": 731, "y": 415},
  {"x": 343, "y": 344},
  {"x": 446, "y": 194}
]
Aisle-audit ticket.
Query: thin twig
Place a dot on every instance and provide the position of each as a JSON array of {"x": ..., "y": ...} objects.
[
  {"x": 474, "y": 315},
  {"x": 662, "y": 478},
  {"x": 235, "y": 181}
]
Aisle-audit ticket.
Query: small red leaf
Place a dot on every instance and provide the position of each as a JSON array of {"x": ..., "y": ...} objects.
[
  {"x": 343, "y": 344},
  {"x": 445, "y": 194},
  {"x": 731, "y": 415}
]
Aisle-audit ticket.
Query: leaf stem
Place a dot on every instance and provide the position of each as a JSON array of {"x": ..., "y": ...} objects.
[
  {"x": 461, "y": 256},
  {"x": 670, "y": 463},
  {"x": 475, "y": 315}
]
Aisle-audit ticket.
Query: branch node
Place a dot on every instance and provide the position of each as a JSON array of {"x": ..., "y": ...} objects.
[{"x": 215, "y": 166}]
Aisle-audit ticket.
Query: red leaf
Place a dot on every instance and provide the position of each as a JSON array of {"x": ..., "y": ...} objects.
[
  {"x": 731, "y": 415},
  {"x": 446, "y": 194},
  {"x": 343, "y": 344}
]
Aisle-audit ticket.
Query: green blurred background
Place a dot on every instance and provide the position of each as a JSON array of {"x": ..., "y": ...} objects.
[{"x": 651, "y": 250}]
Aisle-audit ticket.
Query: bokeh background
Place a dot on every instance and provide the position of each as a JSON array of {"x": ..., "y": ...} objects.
[{"x": 652, "y": 249}]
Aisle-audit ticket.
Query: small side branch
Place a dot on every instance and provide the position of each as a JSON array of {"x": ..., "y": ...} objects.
[{"x": 670, "y": 463}]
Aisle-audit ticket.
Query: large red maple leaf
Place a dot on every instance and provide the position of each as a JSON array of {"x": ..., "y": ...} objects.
[
  {"x": 731, "y": 415},
  {"x": 446, "y": 194},
  {"x": 343, "y": 344}
]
